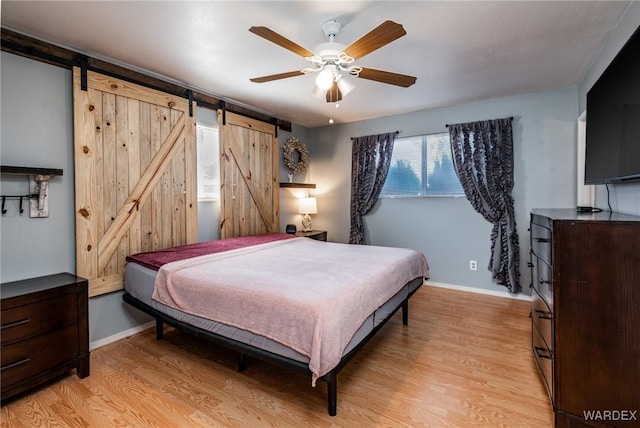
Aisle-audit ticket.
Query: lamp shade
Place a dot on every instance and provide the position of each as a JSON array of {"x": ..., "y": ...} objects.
[
  {"x": 345, "y": 85},
  {"x": 324, "y": 80},
  {"x": 307, "y": 206},
  {"x": 317, "y": 92}
]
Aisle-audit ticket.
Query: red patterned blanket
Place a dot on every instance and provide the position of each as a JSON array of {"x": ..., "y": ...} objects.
[{"x": 155, "y": 259}]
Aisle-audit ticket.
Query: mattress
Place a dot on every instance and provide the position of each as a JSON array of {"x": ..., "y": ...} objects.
[{"x": 139, "y": 282}]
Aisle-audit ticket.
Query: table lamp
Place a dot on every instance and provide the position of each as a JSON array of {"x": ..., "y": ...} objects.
[{"x": 307, "y": 206}]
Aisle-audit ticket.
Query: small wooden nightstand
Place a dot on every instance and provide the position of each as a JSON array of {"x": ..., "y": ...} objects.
[
  {"x": 45, "y": 331},
  {"x": 318, "y": 235}
]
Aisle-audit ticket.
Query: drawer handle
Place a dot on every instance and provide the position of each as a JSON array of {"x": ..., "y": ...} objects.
[
  {"x": 17, "y": 363},
  {"x": 543, "y": 352},
  {"x": 542, "y": 239},
  {"x": 543, "y": 314},
  {"x": 544, "y": 281},
  {"x": 14, "y": 324}
]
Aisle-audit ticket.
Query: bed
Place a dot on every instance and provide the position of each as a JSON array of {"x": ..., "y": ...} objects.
[{"x": 305, "y": 304}]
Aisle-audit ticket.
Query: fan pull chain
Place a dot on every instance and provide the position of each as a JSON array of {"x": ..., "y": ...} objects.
[{"x": 331, "y": 112}]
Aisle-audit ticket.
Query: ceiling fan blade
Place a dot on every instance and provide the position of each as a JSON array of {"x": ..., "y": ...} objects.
[
  {"x": 276, "y": 76},
  {"x": 383, "y": 34},
  {"x": 279, "y": 40},
  {"x": 334, "y": 94},
  {"x": 387, "y": 77}
]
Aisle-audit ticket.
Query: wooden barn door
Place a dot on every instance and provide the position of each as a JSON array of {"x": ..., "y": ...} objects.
[
  {"x": 135, "y": 175},
  {"x": 249, "y": 165}
]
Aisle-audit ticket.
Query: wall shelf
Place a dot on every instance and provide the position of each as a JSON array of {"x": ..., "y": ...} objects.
[
  {"x": 27, "y": 170},
  {"x": 38, "y": 188},
  {"x": 298, "y": 185}
]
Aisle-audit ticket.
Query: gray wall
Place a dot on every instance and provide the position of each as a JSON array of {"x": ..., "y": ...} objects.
[
  {"x": 288, "y": 196},
  {"x": 447, "y": 230},
  {"x": 625, "y": 197},
  {"x": 37, "y": 130}
]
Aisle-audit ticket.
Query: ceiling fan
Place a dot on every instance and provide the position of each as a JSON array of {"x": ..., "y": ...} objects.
[{"x": 331, "y": 59}]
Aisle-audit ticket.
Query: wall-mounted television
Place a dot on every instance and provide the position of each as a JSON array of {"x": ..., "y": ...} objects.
[{"x": 613, "y": 119}]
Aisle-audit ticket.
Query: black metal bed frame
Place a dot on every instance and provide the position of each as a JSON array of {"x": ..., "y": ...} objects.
[{"x": 244, "y": 349}]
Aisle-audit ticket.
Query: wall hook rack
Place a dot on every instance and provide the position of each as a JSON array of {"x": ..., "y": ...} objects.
[
  {"x": 21, "y": 198},
  {"x": 38, "y": 186}
]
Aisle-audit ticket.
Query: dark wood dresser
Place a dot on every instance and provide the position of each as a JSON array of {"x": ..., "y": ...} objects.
[
  {"x": 45, "y": 331},
  {"x": 585, "y": 274}
]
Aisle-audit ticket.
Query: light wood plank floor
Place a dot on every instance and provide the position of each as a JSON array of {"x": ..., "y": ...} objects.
[{"x": 463, "y": 361}]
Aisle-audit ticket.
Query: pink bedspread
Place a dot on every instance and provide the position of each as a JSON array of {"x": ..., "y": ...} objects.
[
  {"x": 308, "y": 295},
  {"x": 155, "y": 259}
]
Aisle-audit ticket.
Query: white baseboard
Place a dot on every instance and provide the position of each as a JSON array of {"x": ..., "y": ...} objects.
[
  {"x": 121, "y": 335},
  {"x": 496, "y": 293}
]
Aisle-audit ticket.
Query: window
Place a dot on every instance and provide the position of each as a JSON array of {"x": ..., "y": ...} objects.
[
  {"x": 422, "y": 166},
  {"x": 208, "y": 147}
]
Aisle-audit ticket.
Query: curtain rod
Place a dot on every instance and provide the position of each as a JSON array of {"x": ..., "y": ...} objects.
[
  {"x": 510, "y": 118},
  {"x": 353, "y": 138}
]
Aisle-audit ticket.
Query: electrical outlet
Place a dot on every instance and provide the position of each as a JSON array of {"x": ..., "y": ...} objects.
[{"x": 473, "y": 265}]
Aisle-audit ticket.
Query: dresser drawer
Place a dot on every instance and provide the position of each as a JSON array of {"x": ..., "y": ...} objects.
[
  {"x": 542, "y": 318},
  {"x": 544, "y": 360},
  {"x": 541, "y": 242},
  {"x": 542, "y": 281},
  {"x": 30, "y": 357},
  {"x": 39, "y": 317}
]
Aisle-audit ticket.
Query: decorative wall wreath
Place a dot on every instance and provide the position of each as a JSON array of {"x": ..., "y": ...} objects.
[{"x": 296, "y": 163}]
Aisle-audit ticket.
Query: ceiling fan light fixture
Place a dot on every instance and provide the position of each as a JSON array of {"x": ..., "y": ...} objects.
[
  {"x": 325, "y": 79},
  {"x": 319, "y": 93},
  {"x": 334, "y": 62},
  {"x": 344, "y": 84}
]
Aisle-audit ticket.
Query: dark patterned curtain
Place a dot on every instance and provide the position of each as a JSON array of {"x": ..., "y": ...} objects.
[
  {"x": 371, "y": 157},
  {"x": 483, "y": 159}
]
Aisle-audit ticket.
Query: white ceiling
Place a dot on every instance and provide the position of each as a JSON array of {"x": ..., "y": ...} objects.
[{"x": 459, "y": 51}]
